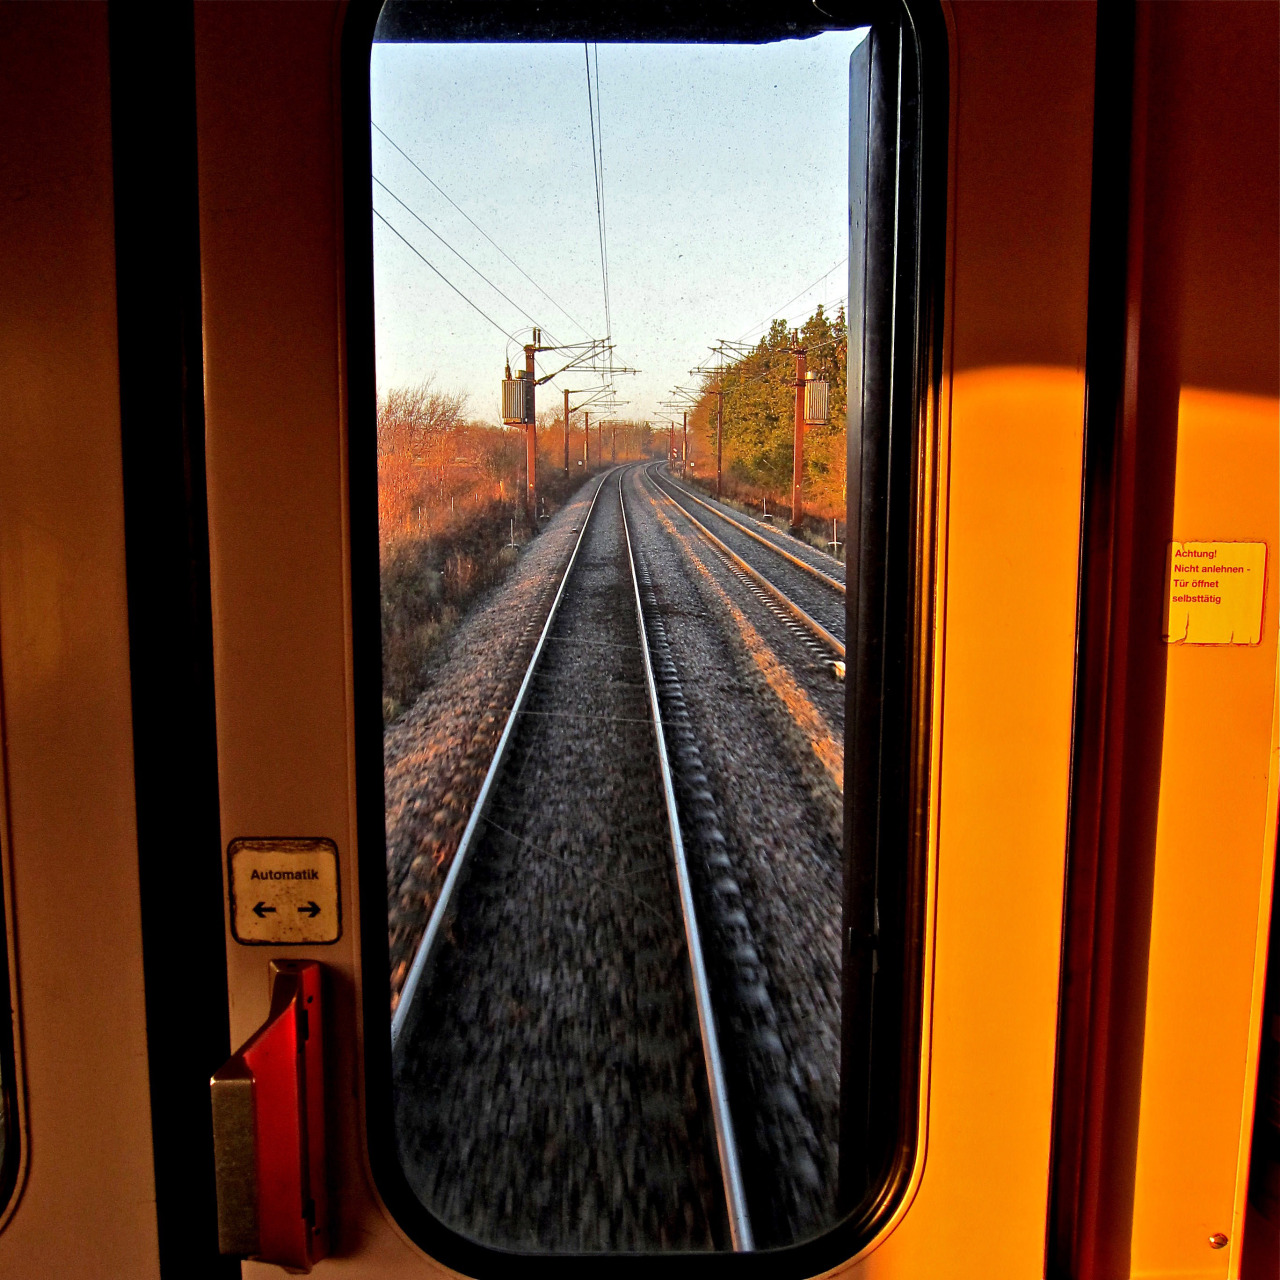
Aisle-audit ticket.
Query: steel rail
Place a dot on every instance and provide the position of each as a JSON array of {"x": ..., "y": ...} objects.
[
  {"x": 726, "y": 1144},
  {"x": 825, "y": 578},
  {"x": 414, "y": 977},
  {"x": 754, "y": 574}
]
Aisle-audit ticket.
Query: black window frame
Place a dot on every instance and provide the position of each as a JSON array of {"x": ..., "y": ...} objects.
[
  {"x": 893, "y": 431},
  {"x": 13, "y": 1139}
]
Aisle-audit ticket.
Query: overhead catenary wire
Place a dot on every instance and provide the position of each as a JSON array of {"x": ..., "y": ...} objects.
[
  {"x": 602, "y": 233},
  {"x": 604, "y": 217},
  {"x": 720, "y": 351},
  {"x": 419, "y": 254},
  {"x": 597, "y": 173},
  {"x": 462, "y": 258},
  {"x": 830, "y": 307},
  {"x": 770, "y": 370},
  {"x": 422, "y": 222},
  {"x": 577, "y": 323},
  {"x": 423, "y": 258},
  {"x": 789, "y": 301}
]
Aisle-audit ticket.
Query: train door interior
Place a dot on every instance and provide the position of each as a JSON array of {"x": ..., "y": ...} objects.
[{"x": 179, "y": 648}]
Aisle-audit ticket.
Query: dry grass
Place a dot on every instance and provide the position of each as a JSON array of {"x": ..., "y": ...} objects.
[{"x": 450, "y": 501}]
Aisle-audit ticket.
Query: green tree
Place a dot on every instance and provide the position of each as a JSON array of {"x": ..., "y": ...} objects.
[{"x": 759, "y": 410}]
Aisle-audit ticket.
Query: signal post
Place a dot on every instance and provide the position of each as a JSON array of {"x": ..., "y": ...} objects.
[{"x": 518, "y": 411}]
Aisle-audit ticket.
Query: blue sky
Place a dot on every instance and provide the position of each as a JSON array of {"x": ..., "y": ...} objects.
[{"x": 725, "y": 187}]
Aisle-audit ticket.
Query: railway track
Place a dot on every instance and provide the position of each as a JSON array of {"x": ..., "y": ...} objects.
[
  {"x": 559, "y": 1076},
  {"x": 830, "y": 572},
  {"x": 813, "y": 597},
  {"x": 765, "y": 724}
]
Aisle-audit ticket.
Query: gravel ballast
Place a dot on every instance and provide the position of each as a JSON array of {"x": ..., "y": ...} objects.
[
  {"x": 821, "y": 602},
  {"x": 774, "y": 533},
  {"x": 780, "y": 814},
  {"x": 550, "y": 1088},
  {"x": 436, "y": 755}
]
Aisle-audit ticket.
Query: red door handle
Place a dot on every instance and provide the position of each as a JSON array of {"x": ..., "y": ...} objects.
[{"x": 268, "y": 1130}]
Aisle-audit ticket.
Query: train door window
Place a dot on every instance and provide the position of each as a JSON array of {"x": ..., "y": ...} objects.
[{"x": 641, "y": 511}]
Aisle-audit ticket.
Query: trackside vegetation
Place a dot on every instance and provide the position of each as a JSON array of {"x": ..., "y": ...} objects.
[
  {"x": 759, "y": 416},
  {"x": 450, "y": 504}
]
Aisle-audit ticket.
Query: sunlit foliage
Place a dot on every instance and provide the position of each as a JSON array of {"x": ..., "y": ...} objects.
[
  {"x": 759, "y": 416},
  {"x": 450, "y": 504}
]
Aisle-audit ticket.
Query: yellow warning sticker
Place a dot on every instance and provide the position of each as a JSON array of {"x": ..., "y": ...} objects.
[
  {"x": 1214, "y": 592},
  {"x": 284, "y": 892}
]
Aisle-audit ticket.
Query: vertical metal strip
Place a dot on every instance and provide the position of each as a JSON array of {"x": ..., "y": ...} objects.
[{"x": 159, "y": 327}]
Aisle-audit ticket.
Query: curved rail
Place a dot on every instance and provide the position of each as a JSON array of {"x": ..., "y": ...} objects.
[
  {"x": 754, "y": 574},
  {"x": 423, "y": 954},
  {"x": 726, "y": 1143},
  {"x": 825, "y": 578}
]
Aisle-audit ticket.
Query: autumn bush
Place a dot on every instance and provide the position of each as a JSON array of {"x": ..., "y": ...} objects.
[{"x": 450, "y": 501}]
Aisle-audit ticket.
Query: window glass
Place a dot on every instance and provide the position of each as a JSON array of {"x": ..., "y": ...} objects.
[{"x": 612, "y": 300}]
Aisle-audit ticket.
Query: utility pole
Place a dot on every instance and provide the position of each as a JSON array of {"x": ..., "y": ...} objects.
[
  {"x": 797, "y": 459},
  {"x": 719, "y": 426},
  {"x": 530, "y": 430},
  {"x": 671, "y": 443},
  {"x": 613, "y": 444},
  {"x": 716, "y": 372},
  {"x": 519, "y": 409},
  {"x": 566, "y": 431},
  {"x": 684, "y": 449},
  {"x": 601, "y": 395}
]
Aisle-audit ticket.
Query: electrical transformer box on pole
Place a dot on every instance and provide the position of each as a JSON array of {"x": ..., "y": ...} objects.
[
  {"x": 816, "y": 397},
  {"x": 517, "y": 400}
]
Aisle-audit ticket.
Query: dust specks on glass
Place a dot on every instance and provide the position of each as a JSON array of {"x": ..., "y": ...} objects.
[{"x": 612, "y": 289}]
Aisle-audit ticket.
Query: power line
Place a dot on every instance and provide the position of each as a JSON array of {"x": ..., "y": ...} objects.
[
  {"x": 828, "y": 305},
  {"x": 413, "y": 249},
  {"x": 480, "y": 229},
  {"x": 456, "y": 254},
  {"x": 604, "y": 217},
  {"x": 596, "y": 174},
  {"x": 770, "y": 369},
  {"x": 801, "y": 294}
]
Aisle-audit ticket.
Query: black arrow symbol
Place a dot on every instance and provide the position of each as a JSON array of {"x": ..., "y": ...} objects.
[
  {"x": 261, "y": 910},
  {"x": 310, "y": 909}
]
